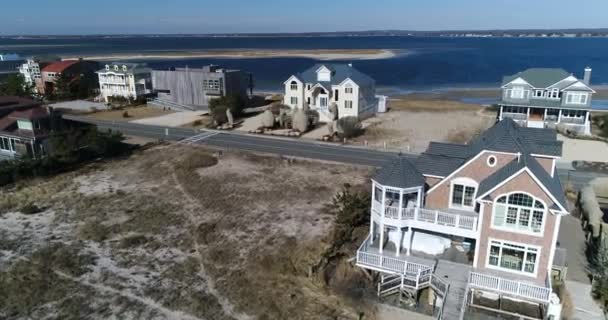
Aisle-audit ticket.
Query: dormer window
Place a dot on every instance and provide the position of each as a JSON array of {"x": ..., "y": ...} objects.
[
  {"x": 463, "y": 193},
  {"x": 115, "y": 68},
  {"x": 107, "y": 67},
  {"x": 554, "y": 94},
  {"x": 324, "y": 74},
  {"x": 124, "y": 68},
  {"x": 539, "y": 93}
]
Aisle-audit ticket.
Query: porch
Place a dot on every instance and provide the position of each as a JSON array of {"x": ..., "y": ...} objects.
[{"x": 540, "y": 117}]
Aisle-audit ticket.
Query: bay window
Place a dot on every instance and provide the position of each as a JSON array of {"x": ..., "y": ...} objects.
[
  {"x": 519, "y": 212},
  {"x": 513, "y": 257}
]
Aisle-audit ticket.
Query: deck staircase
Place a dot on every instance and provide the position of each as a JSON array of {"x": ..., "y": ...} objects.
[{"x": 456, "y": 276}]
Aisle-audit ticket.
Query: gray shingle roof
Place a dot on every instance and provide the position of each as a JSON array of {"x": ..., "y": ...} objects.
[
  {"x": 400, "y": 173},
  {"x": 340, "y": 72},
  {"x": 552, "y": 184},
  {"x": 440, "y": 166},
  {"x": 508, "y": 136},
  {"x": 539, "y": 77}
]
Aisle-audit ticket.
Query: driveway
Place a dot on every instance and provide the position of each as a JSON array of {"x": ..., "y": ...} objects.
[{"x": 572, "y": 238}]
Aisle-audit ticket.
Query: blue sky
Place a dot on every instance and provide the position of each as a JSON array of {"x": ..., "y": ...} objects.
[{"x": 217, "y": 16}]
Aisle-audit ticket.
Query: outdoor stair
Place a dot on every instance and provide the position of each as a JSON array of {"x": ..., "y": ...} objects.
[
  {"x": 457, "y": 276},
  {"x": 389, "y": 285}
]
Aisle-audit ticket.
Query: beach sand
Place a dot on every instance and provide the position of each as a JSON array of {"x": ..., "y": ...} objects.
[{"x": 319, "y": 54}]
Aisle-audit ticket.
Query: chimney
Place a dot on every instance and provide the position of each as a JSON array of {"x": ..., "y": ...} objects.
[{"x": 587, "y": 76}]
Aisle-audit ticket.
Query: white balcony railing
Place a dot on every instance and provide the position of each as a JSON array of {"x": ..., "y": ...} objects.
[
  {"x": 515, "y": 115},
  {"x": 423, "y": 215},
  {"x": 511, "y": 287},
  {"x": 392, "y": 264}
]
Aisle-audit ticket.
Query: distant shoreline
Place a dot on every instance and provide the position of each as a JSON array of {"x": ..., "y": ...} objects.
[{"x": 319, "y": 54}]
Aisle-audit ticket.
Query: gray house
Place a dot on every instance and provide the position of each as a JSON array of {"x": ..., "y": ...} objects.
[
  {"x": 543, "y": 97},
  {"x": 193, "y": 88}
]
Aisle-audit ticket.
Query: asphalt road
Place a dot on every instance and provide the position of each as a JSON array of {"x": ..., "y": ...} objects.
[{"x": 289, "y": 147}]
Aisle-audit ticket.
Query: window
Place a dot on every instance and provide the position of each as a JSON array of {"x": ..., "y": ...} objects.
[
  {"x": 212, "y": 85},
  {"x": 554, "y": 94},
  {"x": 124, "y": 68},
  {"x": 462, "y": 195},
  {"x": 293, "y": 85},
  {"x": 378, "y": 194},
  {"x": 308, "y": 87},
  {"x": 294, "y": 101},
  {"x": 519, "y": 258},
  {"x": 7, "y": 144},
  {"x": 323, "y": 102},
  {"x": 491, "y": 161},
  {"x": 518, "y": 93},
  {"x": 336, "y": 95},
  {"x": 348, "y": 104},
  {"x": 115, "y": 68},
  {"x": 24, "y": 125},
  {"x": 348, "y": 90},
  {"x": 107, "y": 67},
  {"x": 538, "y": 93},
  {"x": 520, "y": 212},
  {"x": 576, "y": 97},
  {"x": 308, "y": 100}
]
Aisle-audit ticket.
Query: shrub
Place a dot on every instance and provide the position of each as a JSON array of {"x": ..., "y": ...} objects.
[
  {"x": 598, "y": 267},
  {"x": 197, "y": 123},
  {"x": 313, "y": 118},
  {"x": 349, "y": 127},
  {"x": 219, "y": 115},
  {"x": 602, "y": 123},
  {"x": 30, "y": 208},
  {"x": 267, "y": 119},
  {"x": 300, "y": 121},
  {"x": 126, "y": 114}
]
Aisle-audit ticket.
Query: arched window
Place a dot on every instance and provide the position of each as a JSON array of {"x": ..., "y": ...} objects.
[
  {"x": 294, "y": 85},
  {"x": 519, "y": 211}
]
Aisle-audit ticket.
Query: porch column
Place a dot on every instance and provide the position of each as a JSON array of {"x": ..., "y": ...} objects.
[
  {"x": 383, "y": 202},
  {"x": 559, "y": 116},
  {"x": 399, "y": 242},
  {"x": 500, "y": 114},
  {"x": 545, "y": 117},
  {"x": 409, "y": 245},
  {"x": 401, "y": 204},
  {"x": 528, "y": 114},
  {"x": 419, "y": 199},
  {"x": 381, "y": 243},
  {"x": 371, "y": 230}
]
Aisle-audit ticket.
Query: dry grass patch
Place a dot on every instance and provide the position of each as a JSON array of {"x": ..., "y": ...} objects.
[
  {"x": 175, "y": 232},
  {"x": 429, "y": 105},
  {"x": 134, "y": 113}
]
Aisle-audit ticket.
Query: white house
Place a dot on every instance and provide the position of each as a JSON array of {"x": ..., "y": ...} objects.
[
  {"x": 127, "y": 80},
  {"x": 322, "y": 85}
]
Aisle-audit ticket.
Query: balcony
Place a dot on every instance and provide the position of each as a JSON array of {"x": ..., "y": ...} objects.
[
  {"x": 459, "y": 223},
  {"x": 514, "y": 288},
  {"x": 368, "y": 256}
]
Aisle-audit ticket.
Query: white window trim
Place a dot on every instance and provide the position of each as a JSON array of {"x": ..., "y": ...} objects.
[
  {"x": 514, "y": 230},
  {"x": 490, "y": 157},
  {"x": 502, "y": 242},
  {"x": 466, "y": 182},
  {"x": 293, "y": 86},
  {"x": 346, "y": 104},
  {"x": 293, "y": 100},
  {"x": 552, "y": 92},
  {"x": 577, "y": 98}
]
